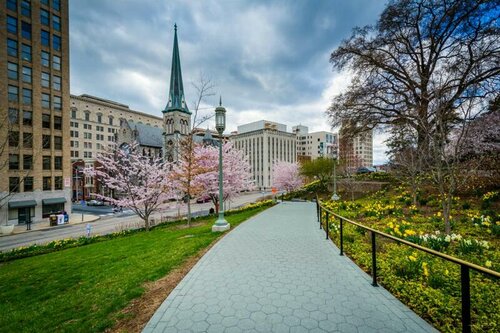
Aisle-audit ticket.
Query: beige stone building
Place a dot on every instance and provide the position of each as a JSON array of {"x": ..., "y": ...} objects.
[
  {"x": 34, "y": 91},
  {"x": 95, "y": 124},
  {"x": 312, "y": 145},
  {"x": 264, "y": 143}
]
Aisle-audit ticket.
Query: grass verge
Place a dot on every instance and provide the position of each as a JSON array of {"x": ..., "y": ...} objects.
[{"x": 84, "y": 289}]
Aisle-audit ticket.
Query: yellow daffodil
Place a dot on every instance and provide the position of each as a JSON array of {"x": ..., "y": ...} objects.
[
  {"x": 426, "y": 270},
  {"x": 488, "y": 263}
]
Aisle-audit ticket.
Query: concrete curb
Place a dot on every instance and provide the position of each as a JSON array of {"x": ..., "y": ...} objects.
[{"x": 21, "y": 229}]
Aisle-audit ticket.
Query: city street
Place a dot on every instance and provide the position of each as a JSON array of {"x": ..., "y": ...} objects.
[{"x": 112, "y": 222}]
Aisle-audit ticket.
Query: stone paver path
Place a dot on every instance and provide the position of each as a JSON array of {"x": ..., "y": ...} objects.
[{"x": 277, "y": 273}]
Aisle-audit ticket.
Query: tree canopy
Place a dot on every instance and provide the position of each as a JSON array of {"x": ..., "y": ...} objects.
[{"x": 421, "y": 62}]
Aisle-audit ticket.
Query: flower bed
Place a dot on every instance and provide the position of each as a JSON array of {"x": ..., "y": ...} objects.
[{"x": 427, "y": 284}]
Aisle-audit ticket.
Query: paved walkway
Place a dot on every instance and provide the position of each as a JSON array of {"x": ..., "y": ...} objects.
[{"x": 277, "y": 273}]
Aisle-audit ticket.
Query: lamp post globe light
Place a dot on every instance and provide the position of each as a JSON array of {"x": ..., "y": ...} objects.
[
  {"x": 220, "y": 124},
  {"x": 335, "y": 197}
]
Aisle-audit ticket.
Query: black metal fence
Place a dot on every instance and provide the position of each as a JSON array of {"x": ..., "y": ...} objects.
[{"x": 465, "y": 266}]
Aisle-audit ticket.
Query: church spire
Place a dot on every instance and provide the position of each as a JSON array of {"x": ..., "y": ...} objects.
[{"x": 176, "y": 99}]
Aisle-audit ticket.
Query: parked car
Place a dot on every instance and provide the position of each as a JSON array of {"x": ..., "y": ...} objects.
[
  {"x": 95, "y": 203},
  {"x": 203, "y": 199},
  {"x": 362, "y": 170}
]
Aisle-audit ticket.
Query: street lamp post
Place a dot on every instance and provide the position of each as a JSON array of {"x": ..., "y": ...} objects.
[
  {"x": 335, "y": 197},
  {"x": 220, "y": 124}
]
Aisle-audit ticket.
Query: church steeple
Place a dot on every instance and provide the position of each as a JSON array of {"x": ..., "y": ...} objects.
[{"x": 176, "y": 99}]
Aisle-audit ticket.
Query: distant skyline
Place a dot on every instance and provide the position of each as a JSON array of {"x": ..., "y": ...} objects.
[{"x": 268, "y": 59}]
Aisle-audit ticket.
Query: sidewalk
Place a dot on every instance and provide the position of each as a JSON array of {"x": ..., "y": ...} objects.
[
  {"x": 277, "y": 273},
  {"x": 75, "y": 218}
]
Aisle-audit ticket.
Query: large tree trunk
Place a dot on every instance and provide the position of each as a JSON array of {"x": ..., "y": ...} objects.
[{"x": 146, "y": 222}]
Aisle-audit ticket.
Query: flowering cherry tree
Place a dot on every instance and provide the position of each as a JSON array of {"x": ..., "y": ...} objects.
[
  {"x": 236, "y": 172},
  {"x": 185, "y": 171},
  {"x": 141, "y": 182},
  {"x": 286, "y": 176}
]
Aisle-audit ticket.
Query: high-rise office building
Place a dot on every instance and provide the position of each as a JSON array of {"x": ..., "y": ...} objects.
[
  {"x": 34, "y": 110},
  {"x": 264, "y": 143},
  {"x": 355, "y": 150}
]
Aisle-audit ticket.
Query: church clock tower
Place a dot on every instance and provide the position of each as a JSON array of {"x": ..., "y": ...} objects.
[{"x": 176, "y": 115}]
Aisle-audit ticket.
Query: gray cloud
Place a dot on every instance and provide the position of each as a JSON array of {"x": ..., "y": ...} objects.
[{"x": 267, "y": 58}]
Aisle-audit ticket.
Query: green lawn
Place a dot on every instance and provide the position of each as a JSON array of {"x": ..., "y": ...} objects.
[{"x": 82, "y": 289}]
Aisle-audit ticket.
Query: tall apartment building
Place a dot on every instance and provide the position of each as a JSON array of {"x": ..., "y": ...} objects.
[
  {"x": 357, "y": 151},
  {"x": 310, "y": 146},
  {"x": 95, "y": 124},
  {"x": 34, "y": 91},
  {"x": 264, "y": 143}
]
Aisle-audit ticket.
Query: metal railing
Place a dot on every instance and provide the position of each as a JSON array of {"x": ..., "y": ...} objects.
[{"x": 465, "y": 266}]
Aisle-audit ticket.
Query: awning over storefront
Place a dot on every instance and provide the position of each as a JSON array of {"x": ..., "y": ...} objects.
[
  {"x": 22, "y": 204},
  {"x": 52, "y": 201}
]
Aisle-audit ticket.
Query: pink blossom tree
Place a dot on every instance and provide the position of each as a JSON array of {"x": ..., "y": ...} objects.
[
  {"x": 140, "y": 182},
  {"x": 236, "y": 172},
  {"x": 286, "y": 176}
]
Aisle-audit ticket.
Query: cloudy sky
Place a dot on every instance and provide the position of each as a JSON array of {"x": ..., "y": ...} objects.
[{"x": 268, "y": 59}]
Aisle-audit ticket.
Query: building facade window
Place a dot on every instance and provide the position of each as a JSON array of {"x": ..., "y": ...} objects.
[
  {"x": 56, "y": 4},
  {"x": 46, "y": 141},
  {"x": 45, "y": 101},
  {"x": 58, "y": 163},
  {"x": 27, "y": 162},
  {"x": 26, "y": 52},
  {"x": 12, "y": 71},
  {"x": 58, "y": 183},
  {"x": 27, "y": 96},
  {"x": 56, "y": 23},
  {"x": 13, "y": 161},
  {"x": 73, "y": 114},
  {"x": 45, "y": 59},
  {"x": 56, "y": 62},
  {"x": 13, "y": 92},
  {"x": 44, "y": 17},
  {"x": 111, "y": 121},
  {"x": 99, "y": 118},
  {"x": 46, "y": 121},
  {"x": 26, "y": 8},
  {"x": 28, "y": 184},
  {"x": 13, "y": 184},
  {"x": 11, "y": 24},
  {"x": 13, "y": 115},
  {"x": 56, "y": 42},
  {"x": 57, "y": 103},
  {"x": 12, "y": 47},
  {"x": 58, "y": 142},
  {"x": 26, "y": 30},
  {"x": 57, "y": 123},
  {"x": 12, "y": 5},
  {"x": 27, "y": 74},
  {"x": 13, "y": 139},
  {"x": 45, "y": 38},
  {"x": 27, "y": 118},
  {"x": 45, "y": 77},
  {"x": 28, "y": 140},
  {"x": 87, "y": 116},
  {"x": 46, "y": 164},
  {"x": 47, "y": 183},
  {"x": 56, "y": 83}
]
